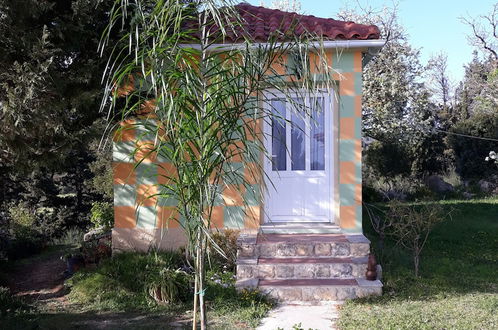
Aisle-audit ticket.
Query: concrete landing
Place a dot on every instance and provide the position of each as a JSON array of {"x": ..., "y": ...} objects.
[{"x": 321, "y": 317}]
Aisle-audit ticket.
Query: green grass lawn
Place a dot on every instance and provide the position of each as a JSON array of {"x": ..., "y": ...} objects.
[{"x": 458, "y": 283}]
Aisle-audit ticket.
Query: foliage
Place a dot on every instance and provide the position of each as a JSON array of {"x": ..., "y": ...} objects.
[
  {"x": 388, "y": 159},
  {"x": 469, "y": 153},
  {"x": 102, "y": 215},
  {"x": 457, "y": 285},
  {"x": 411, "y": 225},
  {"x": 22, "y": 237},
  {"x": 102, "y": 182},
  {"x": 204, "y": 102},
  {"x": 170, "y": 286},
  {"x": 225, "y": 241},
  {"x": 250, "y": 305},
  {"x": 122, "y": 282},
  {"x": 71, "y": 237},
  {"x": 397, "y": 109},
  {"x": 452, "y": 177},
  {"x": 10, "y": 304},
  {"x": 50, "y": 91}
]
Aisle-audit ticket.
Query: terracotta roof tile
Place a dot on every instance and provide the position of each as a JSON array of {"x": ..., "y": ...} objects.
[{"x": 260, "y": 23}]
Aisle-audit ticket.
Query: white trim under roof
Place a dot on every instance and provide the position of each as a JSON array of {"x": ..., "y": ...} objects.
[{"x": 372, "y": 45}]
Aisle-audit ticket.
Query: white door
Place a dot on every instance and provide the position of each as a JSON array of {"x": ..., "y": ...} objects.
[{"x": 299, "y": 171}]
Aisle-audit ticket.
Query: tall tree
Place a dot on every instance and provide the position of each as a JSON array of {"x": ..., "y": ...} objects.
[
  {"x": 396, "y": 103},
  {"x": 50, "y": 78},
  {"x": 205, "y": 102}
]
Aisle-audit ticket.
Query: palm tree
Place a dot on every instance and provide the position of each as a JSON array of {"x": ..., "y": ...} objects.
[{"x": 206, "y": 100}]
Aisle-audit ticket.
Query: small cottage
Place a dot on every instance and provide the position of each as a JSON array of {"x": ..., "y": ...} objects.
[{"x": 301, "y": 239}]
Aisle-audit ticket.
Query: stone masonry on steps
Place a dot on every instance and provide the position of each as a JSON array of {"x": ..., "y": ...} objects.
[{"x": 308, "y": 268}]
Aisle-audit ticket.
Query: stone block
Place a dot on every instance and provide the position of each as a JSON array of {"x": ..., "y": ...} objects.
[
  {"x": 290, "y": 294},
  {"x": 319, "y": 293},
  {"x": 244, "y": 271},
  {"x": 267, "y": 250},
  {"x": 359, "y": 270},
  {"x": 286, "y": 250},
  {"x": 266, "y": 271},
  {"x": 340, "y": 249},
  {"x": 340, "y": 270},
  {"x": 303, "y": 250},
  {"x": 344, "y": 293},
  {"x": 322, "y": 249},
  {"x": 284, "y": 271},
  {"x": 322, "y": 271},
  {"x": 361, "y": 292},
  {"x": 246, "y": 250},
  {"x": 304, "y": 271},
  {"x": 360, "y": 249}
]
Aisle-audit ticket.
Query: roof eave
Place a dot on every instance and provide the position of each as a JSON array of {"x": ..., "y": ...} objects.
[{"x": 371, "y": 46}]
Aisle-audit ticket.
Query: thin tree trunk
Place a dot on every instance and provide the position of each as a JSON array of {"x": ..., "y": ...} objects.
[
  {"x": 202, "y": 305},
  {"x": 416, "y": 261},
  {"x": 196, "y": 288}
]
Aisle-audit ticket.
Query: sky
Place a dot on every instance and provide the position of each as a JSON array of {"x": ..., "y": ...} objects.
[{"x": 433, "y": 25}]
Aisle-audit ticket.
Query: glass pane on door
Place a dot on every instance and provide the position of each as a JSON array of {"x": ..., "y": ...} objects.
[
  {"x": 278, "y": 136},
  {"x": 317, "y": 134},
  {"x": 298, "y": 147}
]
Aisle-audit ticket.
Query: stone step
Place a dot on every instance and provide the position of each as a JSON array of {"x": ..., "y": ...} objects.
[
  {"x": 319, "y": 290},
  {"x": 304, "y": 245},
  {"x": 302, "y": 268}
]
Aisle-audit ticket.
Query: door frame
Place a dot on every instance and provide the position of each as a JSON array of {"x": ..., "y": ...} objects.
[{"x": 332, "y": 154}]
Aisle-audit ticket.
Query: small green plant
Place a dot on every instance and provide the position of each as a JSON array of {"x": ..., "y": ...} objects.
[
  {"x": 411, "y": 225},
  {"x": 226, "y": 242},
  {"x": 171, "y": 285},
  {"x": 23, "y": 237},
  {"x": 22, "y": 221},
  {"x": 10, "y": 304},
  {"x": 452, "y": 177},
  {"x": 72, "y": 236},
  {"x": 102, "y": 215}
]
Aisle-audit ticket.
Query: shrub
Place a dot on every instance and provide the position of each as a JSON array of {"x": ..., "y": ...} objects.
[
  {"x": 170, "y": 285},
  {"x": 71, "y": 236},
  {"x": 411, "y": 225},
  {"x": 226, "y": 241},
  {"x": 10, "y": 304},
  {"x": 24, "y": 238},
  {"x": 452, "y": 177},
  {"x": 388, "y": 159},
  {"x": 470, "y": 153},
  {"x": 102, "y": 215},
  {"x": 123, "y": 281}
]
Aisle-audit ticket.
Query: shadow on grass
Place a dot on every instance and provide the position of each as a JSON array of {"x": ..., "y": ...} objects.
[
  {"x": 460, "y": 257},
  {"x": 92, "y": 321}
]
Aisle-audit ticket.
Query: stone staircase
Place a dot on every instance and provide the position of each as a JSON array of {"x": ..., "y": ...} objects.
[{"x": 306, "y": 268}]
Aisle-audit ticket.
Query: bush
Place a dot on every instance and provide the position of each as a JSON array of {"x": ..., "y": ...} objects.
[
  {"x": 470, "y": 153},
  {"x": 388, "y": 159},
  {"x": 24, "y": 239},
  {"x": 102, "y": 215},
  {"x": 10, "y": 304},
  {"x": 123, "y": 281},
  {"x": 225, "y": 241},
  {"x": 411, "y": 225},
  {"x": 170, "y": 285}
]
